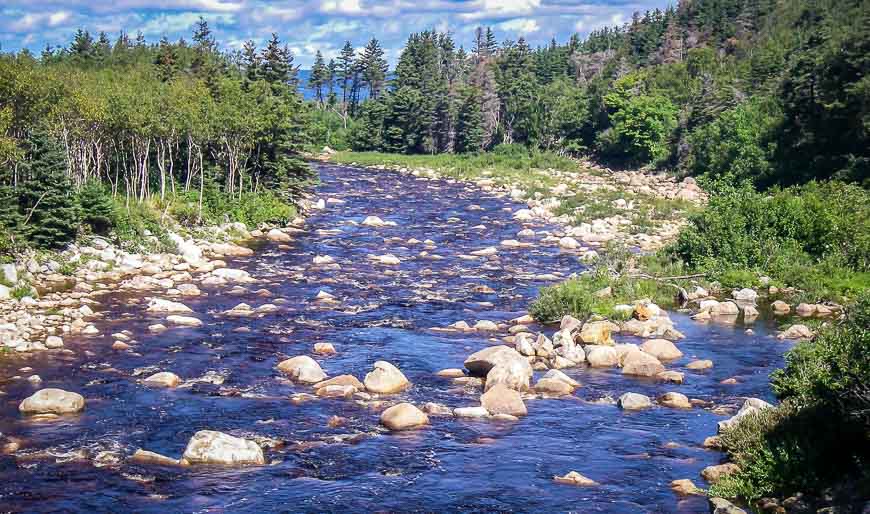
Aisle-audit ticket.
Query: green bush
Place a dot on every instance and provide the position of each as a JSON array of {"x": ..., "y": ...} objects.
[
  {"x": 816, "y": 235},
  {"x": 134, "y": 221},
  {"x": 97, "y": 207},
  {"x": 218, "y": 207}
]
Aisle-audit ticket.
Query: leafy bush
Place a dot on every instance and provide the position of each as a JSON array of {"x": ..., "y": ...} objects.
[
  {"x": 134, "y": 222},
  {"x": 816, "y": 226},
  {"x": 218, "y": 207}
]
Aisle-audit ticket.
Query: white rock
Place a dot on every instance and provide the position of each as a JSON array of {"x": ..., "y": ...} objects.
[
  {"x": 167, "y": 306},
  {"x": 211, "y": 447}
]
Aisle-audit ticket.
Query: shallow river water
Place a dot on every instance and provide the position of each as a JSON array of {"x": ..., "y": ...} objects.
[{"x": 385, "y": 313}]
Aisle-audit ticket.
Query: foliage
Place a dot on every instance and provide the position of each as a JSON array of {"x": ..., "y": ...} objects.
[
  {"x": 97, "y": 207},
  {"x": 252, "y": 209},
  {"x": 787, "y": 233}
]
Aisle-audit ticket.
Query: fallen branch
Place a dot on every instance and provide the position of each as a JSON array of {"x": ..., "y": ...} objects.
[{"x": 27, "y": 219}]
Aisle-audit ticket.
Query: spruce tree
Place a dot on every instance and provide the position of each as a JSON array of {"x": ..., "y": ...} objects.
[
  {"x": 317, "y": 80},
  {"x": 374, "y": 68},
  {"x": 97, "y": 207},
  {"x": 345, "y": 68},
  {"x": 46, "y": 200},
  {"x": 469, "y": 123}
]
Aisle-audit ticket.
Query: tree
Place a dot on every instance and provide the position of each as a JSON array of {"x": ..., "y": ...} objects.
[
  {"x": 469, "y": 123},
  {"x": 166, "y": 61},
  {"x": 373, "y": 68},
  {"x": 345, "y": 68},
  {"x": 319, "y": 77},
  {"x": 97, "y": 207}
]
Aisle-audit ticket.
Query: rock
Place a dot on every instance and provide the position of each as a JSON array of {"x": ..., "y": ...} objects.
[
  {"x": 157, "y": 327},
  {"x": 641, "y": 364},
  {"x": 645, "y": 310},
  {"x": 725, "y": 309},
  {"x": 805, "y": 310},
  {"x": 749, "y": 314},
  {"x": 278, "y": 236},
  {"x": 485, "y": 326},
  {"x": 555, "y": 374},
  {"x": 553, "y": 386},
  {"x": 451, "y": 373},
  {"x": 437, "y": 409},
  {"x": 184, "y": 321},
  {"x": 780, "y": 307},
  {"x": 569, "y": 243},
  {"x": 570, "y": 323},
  {"x": 675, "y": 401},
  {"x": 322, "y": 260},
  {"x": 714, "y": 442},
  {"x": 52, "y": 401},
  {"x": 388, "y": 259},
  {"x": 661, "y": 349},
  {"x": 480, "y": 363},
  {"x": 302, "y": 368},
  {"x": 374, "y": 221},
  {"x": 745, "y": 295},
  {"x": 523, "y": 345},
  {"x": 341, "y": 380},
  {"x": 471, "y": 412},
  {"x": 634, "y": 401},
  {"x": 324, "y": 348},
  {"x": 385, "y": 379},
  {"x": 797, "y": 331},
  {"x": 575, "y": 478},
  {"x": 723, "y": 506},
  {"x": 502, "y": 400},
  {"x": 750, "y": 406},
  {"x": 232, "y": 275},
  {"x": 166, "y": 306},
  {"x": 150, "y": 458},
  {"x": 597, "y": 332},
  {"x": 685, "y": 487},
  {"x": 698, "y": 365},
  {"x": 602, "y": 356},
  {"x": 715, "y": 473},
  {"x": 162, "y": 379},
  {"x": 513, "y": 375},
  {"x": 53, "y": 342},
  {"x": 211, "y": 447},
  {"x": 674, "y": 377},
  {"x": 404, "y": 416},
  {"x": 10, "y": 273}
]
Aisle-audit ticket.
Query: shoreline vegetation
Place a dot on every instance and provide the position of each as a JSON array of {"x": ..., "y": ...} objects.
[{"x": 746, "y": 118}]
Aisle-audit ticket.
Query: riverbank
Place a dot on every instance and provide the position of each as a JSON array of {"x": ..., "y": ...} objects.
[{"x": 45, "y": 297}]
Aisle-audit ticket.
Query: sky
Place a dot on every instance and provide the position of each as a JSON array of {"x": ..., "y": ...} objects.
[{"x": 309, "y": 25}]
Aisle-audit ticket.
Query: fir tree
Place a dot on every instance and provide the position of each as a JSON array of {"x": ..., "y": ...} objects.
[
  {"x": 469, "y": 123},
  {"x": 374, "y": 68},
  {"x": 345, "y": 68},
  {"x": 166, "y": 60},
  {"x": 318, "y": 78},
  {"x": 97, "y": 207}
]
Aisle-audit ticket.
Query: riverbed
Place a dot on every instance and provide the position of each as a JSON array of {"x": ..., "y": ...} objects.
[{"x": 381, "y": 312}]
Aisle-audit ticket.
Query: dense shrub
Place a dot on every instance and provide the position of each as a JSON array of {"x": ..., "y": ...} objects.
[
  {"x": 97, "y": 207},
  {"x": 817, "y": 235},
  {"x": 252, "y": 209}
]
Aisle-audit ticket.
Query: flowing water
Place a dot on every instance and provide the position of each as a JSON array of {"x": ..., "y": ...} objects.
[{"x": 385, "y": 313}]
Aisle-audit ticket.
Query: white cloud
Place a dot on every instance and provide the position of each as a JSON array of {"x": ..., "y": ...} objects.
[
  {"x": 501, "y": 9},
  {"x": 342, "y": 7},
  {"x": 520, "y": 25}
]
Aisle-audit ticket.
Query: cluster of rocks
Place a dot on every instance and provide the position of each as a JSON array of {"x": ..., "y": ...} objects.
[
  {"x": 67, "y": 304},
  {"x": 590, "y": 180}
]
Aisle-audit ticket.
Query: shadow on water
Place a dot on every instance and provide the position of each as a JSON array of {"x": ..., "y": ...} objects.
[{"x": 385, "y": 312}]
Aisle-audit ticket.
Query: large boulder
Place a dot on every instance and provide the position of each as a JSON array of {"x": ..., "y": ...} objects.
[
  {"x": 661, "y": 349},
  {"x": 404, "y": 416},
  {"x": 675, "y": 401},
  {"x": 645, "y": 310},
  {"x": 597, "y": 332},
  {"x": 502, "y": 400},
  {"x": 553, "y": 386},
  {"x": 302, "y": 368},
  {"x": 797, "y": 331},
  {"x": 723, "y": 506},
  {"x": 232, "y": 275},
  {"x": 480, "y": 363},
  {"x": 513, "y": 374},
  {"x": 601, "y": 356},
  {"x": 715, "y": 473},
  {"x": 641, "y": 364},
  {"x": 52, "y": 401},
  {"x": 385, "y": 379},
  {"x": 211, "y": 447}
]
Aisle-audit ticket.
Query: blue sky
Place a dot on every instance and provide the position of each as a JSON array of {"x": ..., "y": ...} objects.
[{"x": 309, "y": 25}]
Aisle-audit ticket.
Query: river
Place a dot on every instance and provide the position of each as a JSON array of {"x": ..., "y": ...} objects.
[{"x": 77, "y": 463}]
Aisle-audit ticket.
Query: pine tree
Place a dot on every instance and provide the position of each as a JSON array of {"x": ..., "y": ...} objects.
[
  {"x": 345, "y": 68},
  {"x": 374, "y": 68},
  {"x": 318, "y": 78},
  {"x": 46, "y": 200},
  {"x": 469, "y": 123},
  {"x": 97, "y": 207},
  {"x": 166, "y": 60},
  {"x": 82, "y": 47},
  {"x": 251, "y": 61},
  {"x": 491, "y": 44},
  {"x": 277, "y": 66}
]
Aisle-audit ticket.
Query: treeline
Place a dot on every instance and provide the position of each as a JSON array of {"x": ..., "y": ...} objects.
[
  {"x": 774, "y": 92},
  {"x": 143, "y": 121}
]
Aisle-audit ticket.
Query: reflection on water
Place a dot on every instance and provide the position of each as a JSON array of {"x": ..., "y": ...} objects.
[{"x": 384, "y": 312}]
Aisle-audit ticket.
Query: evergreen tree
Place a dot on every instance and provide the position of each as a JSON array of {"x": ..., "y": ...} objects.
[
  {"x": 82, "y": 47},
  {"x": 318, "y": 78},
  {"x": 166, "y": 60},
  {"x": 345, "y": 69},
  {"x": 251, "y": 61},
  {"x": 373, "y": 68},
  {"x": 469, "y": 123},
  {"x": 46, "y": 200},
  {"x": 97, "y": 207}
]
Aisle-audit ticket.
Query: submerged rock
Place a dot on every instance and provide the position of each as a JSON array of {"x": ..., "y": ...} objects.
[
  {"x": 162, "y": 379},
  {"x": 503, "y": 400},
  {"x": 575, "y": 478},
  {"x": 211, "y": 447},
  {"x": 145, "y": 457},
  {"x": 634, "y": 401}
]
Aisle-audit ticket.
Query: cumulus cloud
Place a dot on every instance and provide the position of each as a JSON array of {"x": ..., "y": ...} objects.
[{"x": 310, "y": 25}]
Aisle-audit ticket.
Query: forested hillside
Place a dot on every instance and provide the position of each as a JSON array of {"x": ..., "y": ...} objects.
[
  {"x": 90, "y": 132},
  {"x": 773, "y": 91}
]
